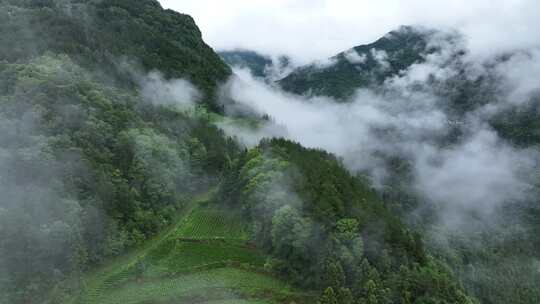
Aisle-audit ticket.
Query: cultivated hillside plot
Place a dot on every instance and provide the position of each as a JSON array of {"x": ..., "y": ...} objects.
[{"x": 204, "y": 258}]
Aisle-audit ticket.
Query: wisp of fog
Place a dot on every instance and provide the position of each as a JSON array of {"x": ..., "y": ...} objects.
[{"x": 406, "y": 118}]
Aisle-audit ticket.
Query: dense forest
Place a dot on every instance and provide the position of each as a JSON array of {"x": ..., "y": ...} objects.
[
  {"x": 109, "y": 137},
  {"x": 89, "y": 168},
  {"x": 361, "y": 66},
  {"x": 328, "y": 230},
  {"x": 507, "y": 242}
]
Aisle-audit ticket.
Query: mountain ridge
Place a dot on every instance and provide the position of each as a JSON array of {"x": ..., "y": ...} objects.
[
  {"x": 100, "y": 172},
  {"x": 360, "y": 66}
]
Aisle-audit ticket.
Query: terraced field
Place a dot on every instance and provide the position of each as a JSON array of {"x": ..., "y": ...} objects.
[{"x": 204, "y": 258}]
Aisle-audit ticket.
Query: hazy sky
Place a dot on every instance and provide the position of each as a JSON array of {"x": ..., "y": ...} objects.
[{"x": 314, "y": 29}]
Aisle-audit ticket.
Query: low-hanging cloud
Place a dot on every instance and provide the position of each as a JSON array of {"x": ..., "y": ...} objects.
[
  {"x": 330, "y": 26},
  {"x": 521, "y": 74},
  {"x": 477, "y": 173},
  {"x": 353, "y": 57},
  {"x": 178, "y": 93}
]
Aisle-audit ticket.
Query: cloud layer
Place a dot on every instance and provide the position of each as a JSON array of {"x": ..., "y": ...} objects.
[
  {"x": 309, "y": 30},
  {"x": 409, "y": 119}
]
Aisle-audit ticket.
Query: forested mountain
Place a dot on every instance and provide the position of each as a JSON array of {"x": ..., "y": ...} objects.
[
  {"x": 90, "y": 167},
  {"x": 103, "y": 35},
  {"x": 118, "y": 186},
  {"x": 468, "y": 93},
  {"x": 328, "y": 230},
  {"x": 259, "y": 65},
  {"x": 251, "y": 60},
  {"x": 361, "y": 66},
  {"x": 370, "y": 66}
]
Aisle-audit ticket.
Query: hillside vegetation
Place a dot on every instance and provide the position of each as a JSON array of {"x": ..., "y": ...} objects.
[
  {"x": 497, "y": 262},
  {"x": 105, "y": 35},
  {"x": 204, "y": 257},
  {"x": 90, "y": 168},
  {"x": 362, "y": 66},
  {"x": 101, "y": 185},
  {"x": 328, "y": 230}
]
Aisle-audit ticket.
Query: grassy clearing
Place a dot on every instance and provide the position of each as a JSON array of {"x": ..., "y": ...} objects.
[
  {"x": 178, "y": 256},
  {"x": 204, "y": 223},
  {"x": 204, "y": 258},
  {"x": 224, "y": 282}
]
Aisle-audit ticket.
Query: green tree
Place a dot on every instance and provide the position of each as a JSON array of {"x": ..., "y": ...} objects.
[
  {"x": 334, "y": 274},
  {"x": 328, "y": 297},
  {"x": 371, "y": 292},
  {"x": 345, "y": 296}
]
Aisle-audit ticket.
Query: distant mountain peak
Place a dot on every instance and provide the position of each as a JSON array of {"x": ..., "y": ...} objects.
[
  {"x": 260, "y": 65},
  {"x": 362, "y": 65}
]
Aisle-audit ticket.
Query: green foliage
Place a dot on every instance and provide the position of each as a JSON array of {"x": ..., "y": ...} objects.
[
  {"x": 90, "y": 170},
  {"x": 314, "y": 218},
  {"x": 103, "y": 35},
  {"x": 199, "y": 259},
  {"x": 328, "y": 297},
  {"x": 204, "y": 223},
  {"x": 342, "y": 77},
  {"x": 109, "y": 169},
  {"x": 506, "y": 244},
  {"x": 497, "y": 265},
  {"x": 483, "y": 261},
  {"x": 207, "y": 285},
  {"x": 520, "y": 124}
]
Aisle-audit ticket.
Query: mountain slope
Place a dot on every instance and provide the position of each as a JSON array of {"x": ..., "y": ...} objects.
[
  {"x": 360, "y": 66},
  {"x": 251, "y": 60},
  {"x": 104, "y": 35},
  {"x": 94, "y": 170},
  {"x": 261, "y": 66},
  {"x": 328, "y": 230},
  {"x": 204, "y": 257},
  {"x": 470, "y": 93},
  {"x": 91, "y": 167}
]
